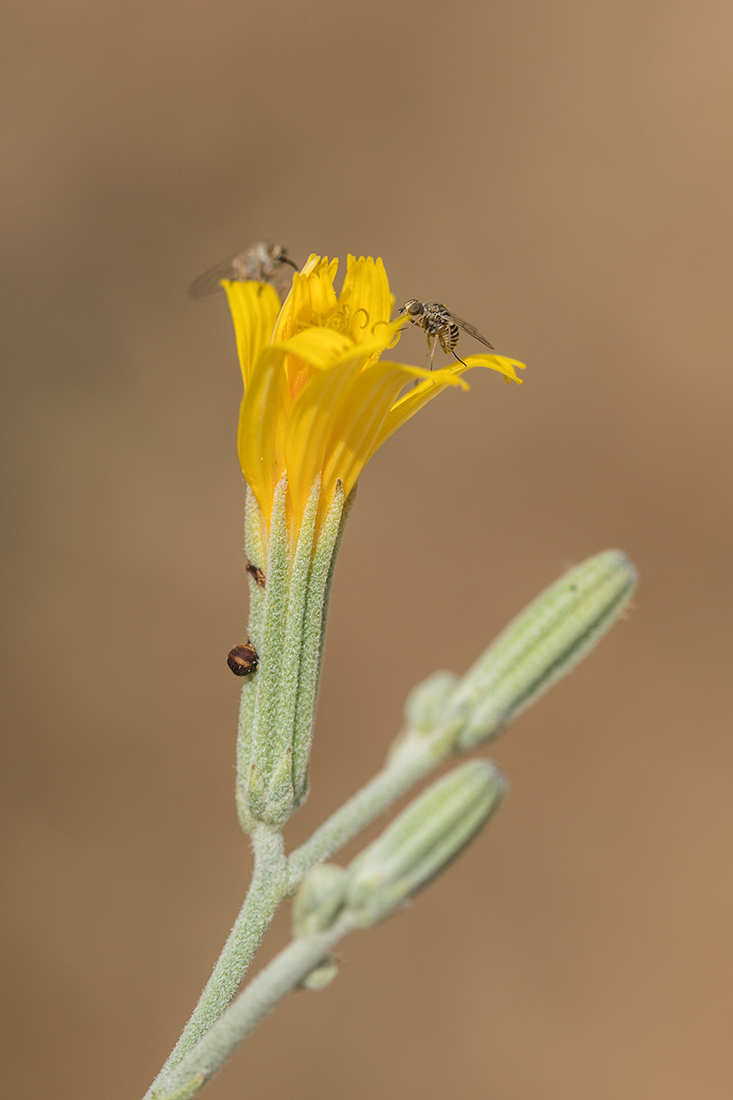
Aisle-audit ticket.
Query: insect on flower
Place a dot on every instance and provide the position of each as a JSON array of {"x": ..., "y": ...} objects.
[
  {"x": 440, "y": 325},
  {"x": 320, "y": 394},
  {"x": 264, "y": 262},
  {"x": 243, "y": 659},
  {"x": 256, "y": 574}
]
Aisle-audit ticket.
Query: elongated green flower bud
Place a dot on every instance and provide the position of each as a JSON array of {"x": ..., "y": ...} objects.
[
  {"x": 543, "y": 643},
  {"x": 422, "y": 841}
]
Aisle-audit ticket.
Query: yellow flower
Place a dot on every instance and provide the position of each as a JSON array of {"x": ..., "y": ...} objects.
[{"x": 318, "y": 399}]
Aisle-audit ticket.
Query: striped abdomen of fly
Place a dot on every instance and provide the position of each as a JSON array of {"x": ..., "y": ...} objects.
[
  {"x": 448, "y": 337},
  {"x": 437, "y": 321}
]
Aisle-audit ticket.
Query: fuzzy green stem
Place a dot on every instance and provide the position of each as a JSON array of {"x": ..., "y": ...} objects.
[
  {"x": 265, "y": 893},
  {"x": 286, "y": 971},
  {"x": 406, "y": 768}
]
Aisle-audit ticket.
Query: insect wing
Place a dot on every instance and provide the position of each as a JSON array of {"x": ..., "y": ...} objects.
[
  {"x": 208, "y": 283},
  {"x": 471, "y": 330}
]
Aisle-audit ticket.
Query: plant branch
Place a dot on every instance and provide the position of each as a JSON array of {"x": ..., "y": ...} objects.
[
  {"x": 266, "y": 891},
  {"x": 270, "y": 986},
  {"x": 413, "y": 760}
]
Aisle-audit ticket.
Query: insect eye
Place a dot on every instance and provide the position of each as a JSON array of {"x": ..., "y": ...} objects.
[{"x": 414, "y": 307}]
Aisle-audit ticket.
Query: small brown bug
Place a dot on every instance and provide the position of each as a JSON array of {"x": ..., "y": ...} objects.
[
  {"x": 255, "y": 572},
  {"x": 243, "y": 659}
]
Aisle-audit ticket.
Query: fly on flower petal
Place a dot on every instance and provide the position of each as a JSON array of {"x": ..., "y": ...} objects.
[
  {"x": 264, "y": 262},
  {"x": 320, "y": 396},
  {"x": 440, "y": 325}
]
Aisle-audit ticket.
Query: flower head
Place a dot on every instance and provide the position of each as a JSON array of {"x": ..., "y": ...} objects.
[{"x": 319, "y": 399}]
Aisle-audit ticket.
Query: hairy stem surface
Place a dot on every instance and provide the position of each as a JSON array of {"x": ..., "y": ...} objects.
[
  {"x": 270, "y": 986},
  {"x": 266, "y": 891},
  {"x": 398, "y": 775}
]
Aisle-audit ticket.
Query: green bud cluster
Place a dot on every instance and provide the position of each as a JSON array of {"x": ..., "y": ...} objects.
[{"x": 420, "y": 843}]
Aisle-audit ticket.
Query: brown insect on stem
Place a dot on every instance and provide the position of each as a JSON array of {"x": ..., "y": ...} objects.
[
  {"x": 243, "y": 659},
  {"x": 256, "y": 572}
]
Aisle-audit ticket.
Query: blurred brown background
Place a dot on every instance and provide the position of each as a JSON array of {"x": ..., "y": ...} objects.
[{"x": 559, "y": 173}]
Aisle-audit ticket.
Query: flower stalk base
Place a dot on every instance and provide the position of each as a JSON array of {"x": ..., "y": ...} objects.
[{"x": 445, "y": 715}]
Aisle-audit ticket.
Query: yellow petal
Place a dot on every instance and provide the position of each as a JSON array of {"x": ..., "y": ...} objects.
[
  {"x": 408, "y": 405},
  {"x": 262, "y": 421},
  {"x": 309, "y": 427},
  {"x": 365, "y": 303},
  {"x": 254, "y": 308},
  {"x": 357, "y": 417},
  {"x": 501, "y": 363},
  {"x": 318, "y": 347},
  {"x": 311, "y": 301}
]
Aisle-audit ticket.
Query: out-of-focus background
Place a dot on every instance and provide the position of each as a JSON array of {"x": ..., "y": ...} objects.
[{"x": 558, "y": 173}]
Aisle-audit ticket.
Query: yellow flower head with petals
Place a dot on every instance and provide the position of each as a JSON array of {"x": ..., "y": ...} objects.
[{"x": 318, "y": 398}]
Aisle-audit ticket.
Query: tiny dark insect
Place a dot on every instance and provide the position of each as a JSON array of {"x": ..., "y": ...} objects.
[
  {"x": 256, "y": 573},
  {"x": 440, "y": 325},
  {"x": 243, "y": 659}
]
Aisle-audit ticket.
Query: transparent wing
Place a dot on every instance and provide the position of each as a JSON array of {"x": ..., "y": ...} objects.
[
  {"x": 208, "y": 283},
  {"x": 471, "y": 330}
]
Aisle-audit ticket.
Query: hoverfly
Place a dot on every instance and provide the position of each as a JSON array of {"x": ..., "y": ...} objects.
[
  {"x": 440, "y": 325},
  {"x": 263, "y": 262}
]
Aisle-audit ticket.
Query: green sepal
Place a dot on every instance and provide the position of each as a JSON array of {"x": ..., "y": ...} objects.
[
  {"x": 254, "y": 526},
  {"x": 269, "y": 741},
  {"x": 271, "y": 799},
  {"x": 287, "y": 627},
  {"x": 312, "y": 638}
]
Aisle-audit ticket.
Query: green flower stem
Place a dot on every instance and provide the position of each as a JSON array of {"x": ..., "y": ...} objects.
[
  {"x": 422, "y": 842},
  {"x": 273, "y": 878},
  {"x": 444, "y": 715},
  {"x": 413, "y": 761},
  {"x": 266, "y": 891},
  {"x": 281, "y": 977}
]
